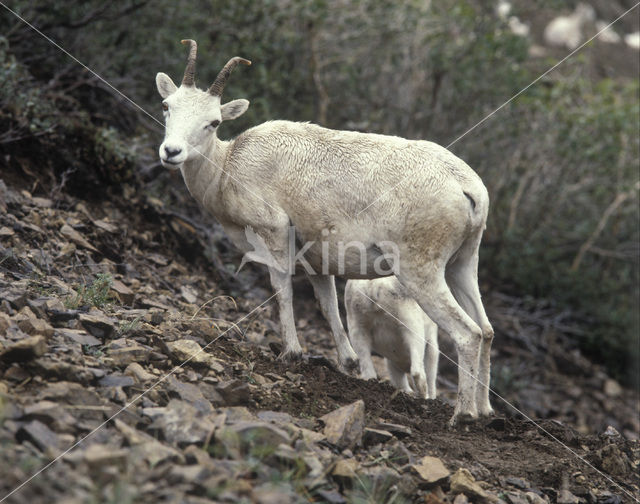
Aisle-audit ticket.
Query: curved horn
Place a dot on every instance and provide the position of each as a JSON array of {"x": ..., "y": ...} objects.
[
  {"x": 190, "y": 71},
  {"x": 218, "y": 85}
]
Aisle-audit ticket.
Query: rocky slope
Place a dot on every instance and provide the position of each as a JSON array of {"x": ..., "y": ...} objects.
[{"x": 128, "y": 346}]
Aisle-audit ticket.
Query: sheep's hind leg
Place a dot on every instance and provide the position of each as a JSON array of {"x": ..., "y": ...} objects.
[
  {"x": 281, "y": 283},
  {"x": 398, "y": 378},
  {"x": 324, "y": 287},
  {"x": 431, "y": 292},
  {"x": 462, "y": 277}
]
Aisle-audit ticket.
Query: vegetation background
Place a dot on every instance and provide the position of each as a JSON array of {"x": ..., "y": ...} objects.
[{"x": 560, "y": 160}]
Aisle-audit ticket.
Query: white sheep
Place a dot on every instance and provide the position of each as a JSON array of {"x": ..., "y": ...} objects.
[
  {"x": 633, "y": 40},
  {"x": 358, "y": 202},
  {"x": 606, "y": 33},
  {"x": 383, "y": 318},
  {"x": 566, "y": 31},
  {"x": 517, "y": 27}
]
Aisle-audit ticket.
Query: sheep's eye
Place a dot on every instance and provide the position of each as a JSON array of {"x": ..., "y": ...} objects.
[
  {"x": 165, "y": 107},
  {"x": 214, "y": 124}
]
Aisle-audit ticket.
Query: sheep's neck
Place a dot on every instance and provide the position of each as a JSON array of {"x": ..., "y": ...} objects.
[{"x": 202, "y": 175}]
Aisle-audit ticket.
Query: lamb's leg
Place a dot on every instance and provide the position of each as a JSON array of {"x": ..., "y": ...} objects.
[
  {"x": 398, "y": 378},
  {"x": 361, "y": 342},
  {"x": 429, "y": 288},
  {"x": 413, "y": 338},
  {"x": 324, "y": 287},
  {"x": 431, "y": 355},
  {"x": 462, "y": 276},
  {"x": 281, "y": 283}
]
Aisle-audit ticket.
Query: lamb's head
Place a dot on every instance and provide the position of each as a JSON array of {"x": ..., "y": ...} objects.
[{"x": 192, "y": 115}]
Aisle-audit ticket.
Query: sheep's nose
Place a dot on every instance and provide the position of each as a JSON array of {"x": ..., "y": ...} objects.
[{"x": 172, "y": 151}]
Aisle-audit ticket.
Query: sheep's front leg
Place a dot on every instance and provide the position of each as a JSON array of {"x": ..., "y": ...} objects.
[
  {"x": 324, "y": 287},
  {"x": 281, "y": 283}
]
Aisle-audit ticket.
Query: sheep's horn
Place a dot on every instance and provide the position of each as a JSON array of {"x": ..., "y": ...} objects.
[
  {"x": 190, "y": 71},
  {"x": 218, "y": 85}
]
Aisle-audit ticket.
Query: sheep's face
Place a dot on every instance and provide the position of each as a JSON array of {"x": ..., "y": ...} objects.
[{"x": 192, "y": 117}]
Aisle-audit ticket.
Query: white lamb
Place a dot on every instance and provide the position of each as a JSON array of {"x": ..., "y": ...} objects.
[
  {"x": 566, "y": 31},
  {"x": 382, "y": 317}
]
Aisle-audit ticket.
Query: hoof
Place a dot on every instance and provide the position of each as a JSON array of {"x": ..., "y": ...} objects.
[
  {"x": 350, "y": 366},
  {"x": 462, "y": 419},
  {"x": 290, "y": 356},
  {"x": 486, "y": 412}
]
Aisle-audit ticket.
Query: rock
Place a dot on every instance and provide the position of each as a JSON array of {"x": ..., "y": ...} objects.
[
  {"x": 518, "y": 483},
  {"x": 41, "y": 202},
  {"x": 41, "y": 436},
  {"x": 132, "y": 352},
  {"x": 35, "y": 326},
  {"x": 462, "y": 482},
  {"x": 188, "y": 294},
  {"x": 234, "y": 392},
  {"x": 344, "y": 427},
  {"x": 331, "y": 496},
  {"x": 612, "y": 388},
  {"x": 17, "y": 298},
  {"x": 611, "y": 432},
  {"x": 516, "y": 498},
  {"x": 5, "y": 232},
  {"x": 399, "y": 431},
  {"x": 566, "y": 497},
  {"x": 105, "y": 226},
  {"x": 50, "y": 413},
  {"x": 99, "y": 455},
  {"x": 260, "y": 434},
  {"x": 461, "y": 499},
  {"x": 431, "y": 470},
  {"x": 147, "y": 447},
  {"x": 180, "y": 423},
  {"x": 72, "y": 235},
  {"x": 270, "y": 493},
  {"x": 24, "y": 350},
  {"x": 237, "y": 414},
  {"x": 277, "y": 417},
  {"x": 191, "y": 394},
  {"x": 188, "y": 474},
  {"x": 137, "y": 371},
  {"x": 382, "y": 475},
  {"x": 97, "y": 324},
  {"x": 122, "y": 292},
  {"x": 5, "y": 322},
  {"x": 116, "y": 380},
  {"x": 71, "y": 393},
  {"x": 345, "y": 470},
  {"x": 614, "y": 461},
  {"x": 188, "y": 350},
  {"x": 79, "y": 336},
  {"x": 375, "y": 436}
]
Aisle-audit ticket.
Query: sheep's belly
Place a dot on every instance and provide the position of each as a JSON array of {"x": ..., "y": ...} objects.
[{"x": 348, "y": 261}]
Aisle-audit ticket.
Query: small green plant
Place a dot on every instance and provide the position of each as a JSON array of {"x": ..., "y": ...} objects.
[
  {"x": 370, "y": 491},
  {"x": 127, "y": 326},
  {"x": 97, "y": 294},
  {"x": 504, "y": 380}
]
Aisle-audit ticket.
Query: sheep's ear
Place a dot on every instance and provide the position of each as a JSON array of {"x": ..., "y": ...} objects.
[
  {"x": 234, "y": 109},
  {"x": 165, "y": 85}
]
